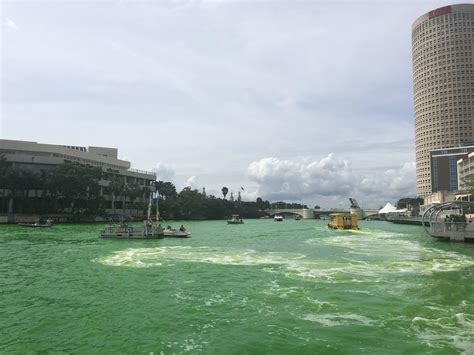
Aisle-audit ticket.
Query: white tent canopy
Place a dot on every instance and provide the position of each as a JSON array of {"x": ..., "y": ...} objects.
[{"x": 388, "y": 208}]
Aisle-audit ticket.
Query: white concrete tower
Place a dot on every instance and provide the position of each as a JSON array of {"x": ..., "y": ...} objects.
[{"x": 443, "y": 84}]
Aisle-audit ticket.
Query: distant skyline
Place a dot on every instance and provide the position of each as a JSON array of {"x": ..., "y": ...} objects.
[{"x": 300, "y": 101}]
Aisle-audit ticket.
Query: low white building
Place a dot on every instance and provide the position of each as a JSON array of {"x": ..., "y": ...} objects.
[
  {"x": 465, "y": 167},
  {"x": 39, "y": 157}
]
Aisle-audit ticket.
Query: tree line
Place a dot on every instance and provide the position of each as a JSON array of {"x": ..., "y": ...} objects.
[
  {"x": 66, "y": 188},
  {"x": 193, "y": 204},
  {"x": 75, "y": 189}
]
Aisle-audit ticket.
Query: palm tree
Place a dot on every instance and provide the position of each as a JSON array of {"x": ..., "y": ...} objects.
[
  {"x": 117, "y": 187},
  {"x": 225, "y": 190}
]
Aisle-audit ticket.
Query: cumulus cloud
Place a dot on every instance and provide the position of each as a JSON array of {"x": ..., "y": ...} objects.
[
  {"x": 192, "y": 182},
  {"x": 393, "y": 183},
  {"x": 10, "y": 25},
  {"x": 328, "y": 178},
  {"x": 164, "y": 172},
  {"x": 286, "y": 179}
]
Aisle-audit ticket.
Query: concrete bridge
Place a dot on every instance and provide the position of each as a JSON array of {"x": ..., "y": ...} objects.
[{"x": 311, "y": 213}]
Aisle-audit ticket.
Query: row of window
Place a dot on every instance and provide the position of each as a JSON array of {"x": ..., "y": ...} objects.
[
  {"x": 442, "y": 39},
  {"x": 450, "y": 18},
  {"x": 421, "y": 131},
  {"x": 422, "y": 59},
  {"x": 428, "y": 137},
  {"x": 441, "y": 82},
  {"x": 436, "y": 104},
  {"x": 441, "y": 97},
  {"x": 431, "y": 102},
  {"x": 442, "y": 66},
  {"x": 422, "y": 103},
  {"x": 454, "y": 80},
  {"x": 442, "y": 45},
  {"x": 437, "y": 118},
  {"x": 431, "y": 107},
  {"x": 445, "y": 120},
  {"x": 452, "y": 32}
]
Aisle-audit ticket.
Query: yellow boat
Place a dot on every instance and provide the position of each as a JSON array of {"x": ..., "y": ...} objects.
[{"x": 343, "y": 221}]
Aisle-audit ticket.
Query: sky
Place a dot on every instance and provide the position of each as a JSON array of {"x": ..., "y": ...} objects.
[{"x": 304, "y": 101}]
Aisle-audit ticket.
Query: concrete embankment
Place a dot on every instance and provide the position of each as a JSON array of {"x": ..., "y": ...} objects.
[{"x": 416, "y": 220}]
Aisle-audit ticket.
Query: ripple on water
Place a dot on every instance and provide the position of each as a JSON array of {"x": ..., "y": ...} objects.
[
  {"x": 338, "y": 319},
  {"x": 453, "y": 330}
]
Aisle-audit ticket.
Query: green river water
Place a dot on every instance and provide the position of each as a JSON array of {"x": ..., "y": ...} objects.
[{"x": 293, "y": 287}]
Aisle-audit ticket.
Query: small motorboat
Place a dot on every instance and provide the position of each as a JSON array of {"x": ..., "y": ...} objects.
[
  {"x": 297, "y": 217},
  {"x": 178, "y": 233},
  {"x": 36, "y": 225},
  {"x": 235, "y": 219},
  {"x": 278, "y": 218},
  {"x": 49, "y": 223}
]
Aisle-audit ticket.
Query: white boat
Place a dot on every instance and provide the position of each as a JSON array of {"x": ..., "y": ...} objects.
[
  {"x": 235, "y": 219},
  {"x": 178, "y": 233},
  {"x": 49, "y": 223},
  {"x": 278, "y": 218},
  {"x": 35, "y": 225}
]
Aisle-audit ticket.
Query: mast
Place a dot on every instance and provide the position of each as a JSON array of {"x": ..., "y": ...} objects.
[
  {"x": 157, "y": 207},
  {"x": 149, "y": 206}
]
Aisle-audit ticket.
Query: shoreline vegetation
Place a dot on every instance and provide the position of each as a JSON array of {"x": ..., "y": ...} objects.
[{"x": 72, "y": 192}]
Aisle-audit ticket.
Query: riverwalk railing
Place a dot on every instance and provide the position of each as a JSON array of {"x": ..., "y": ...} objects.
[{"x": 458, "y": 231}]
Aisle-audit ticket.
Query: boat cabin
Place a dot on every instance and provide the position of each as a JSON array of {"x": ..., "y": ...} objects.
[
  {"x": 343, "y": 221},
  {"x": 235, "y": 219}
]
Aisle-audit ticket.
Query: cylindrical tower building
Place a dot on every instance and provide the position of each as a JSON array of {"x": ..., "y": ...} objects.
[{"x": 443, "y": 84}]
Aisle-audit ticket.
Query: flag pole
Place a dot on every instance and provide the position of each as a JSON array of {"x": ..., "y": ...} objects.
[{"x": 157, "y": 207}]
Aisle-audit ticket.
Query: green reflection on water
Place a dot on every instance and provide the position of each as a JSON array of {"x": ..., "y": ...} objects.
[{"x": 260, "y": 287}]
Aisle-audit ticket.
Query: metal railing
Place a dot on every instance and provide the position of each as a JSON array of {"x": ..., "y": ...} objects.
[{"x": 142, "y": 172}]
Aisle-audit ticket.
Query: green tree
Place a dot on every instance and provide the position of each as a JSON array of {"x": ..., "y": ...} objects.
[
  {"x": 77, "y": 187},
  {"x": 167, "y": 190},
  {"x": 409, "y": 202},
  {"x": 117, "y": 188},
  {"x": 192, "y": 204},
  {"x": 134, "y": 191}
]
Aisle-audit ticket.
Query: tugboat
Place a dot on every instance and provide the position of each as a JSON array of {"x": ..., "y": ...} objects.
[
  {"x": 235, "y": 219},
  {"x": 343, "y": 221}
]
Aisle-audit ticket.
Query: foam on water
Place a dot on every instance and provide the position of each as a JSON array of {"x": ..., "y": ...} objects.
[
  {"x": 386, "y": 254},
  {"x": 338, "y": 319},
  {"x": 456, "y": 330},
  {"x": 146, "y": 257},
  {"x": 282, "y": 292}
]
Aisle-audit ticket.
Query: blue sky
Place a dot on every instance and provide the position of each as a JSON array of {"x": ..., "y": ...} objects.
[{"x": 302, "y": 101}]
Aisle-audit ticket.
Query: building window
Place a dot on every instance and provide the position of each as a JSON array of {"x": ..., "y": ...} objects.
[
  {"x": 453, "y": 174},
  {"x": 434, "y": 165}
]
